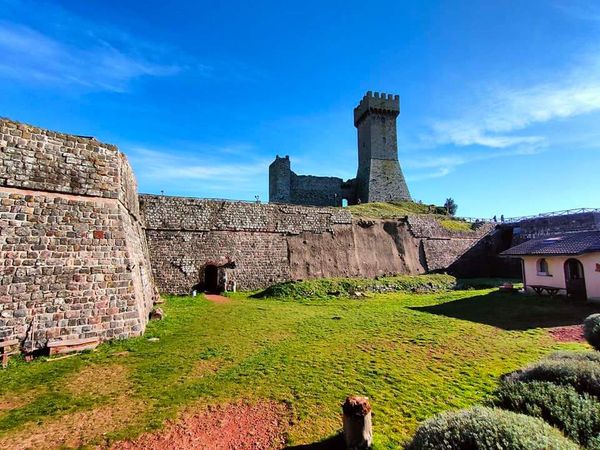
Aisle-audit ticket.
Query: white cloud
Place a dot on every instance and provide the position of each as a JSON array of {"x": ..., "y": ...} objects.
[
  {"x": 33, "y": 57},
  {"x": 497, "y": 119},
  {"x": 437, "y": 166},
  {"x": 203, "y": 173}
]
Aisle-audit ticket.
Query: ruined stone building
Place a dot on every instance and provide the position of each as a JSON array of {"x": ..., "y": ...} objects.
[{"x": 379, "y": 177}]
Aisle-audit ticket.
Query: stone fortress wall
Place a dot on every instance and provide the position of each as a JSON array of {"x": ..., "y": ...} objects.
[
  {"x": 81, "y": 251},
  {"x": 261, "y": 244},
  {"x": 73, "y": 257},
  {"x": 545, "y": 226},
  {"x": 285, "y": 186}
]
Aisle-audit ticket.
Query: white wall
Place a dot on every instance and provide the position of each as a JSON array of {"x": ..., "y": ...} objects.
[{"x": 556, "y": 272}]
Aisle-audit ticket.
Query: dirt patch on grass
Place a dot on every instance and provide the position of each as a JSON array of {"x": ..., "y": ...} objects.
[
  {"x": 572, "y": 333},
  {"x": 218, "y": 299},
  {"x": 236, "y": 426},
  {"x": 76, "y": 429},
  {"x": 99, "y": 379},
  {"x": 208, "y": 367},
  {"x": 7, "y": 405}
]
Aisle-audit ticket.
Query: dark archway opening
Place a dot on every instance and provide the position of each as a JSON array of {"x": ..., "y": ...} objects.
[
  {"x": 211, "y": 278},
  {"x": 575, "y": 279}
]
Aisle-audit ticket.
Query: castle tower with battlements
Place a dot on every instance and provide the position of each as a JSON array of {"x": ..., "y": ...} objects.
[{"x": 379, "y": 177}]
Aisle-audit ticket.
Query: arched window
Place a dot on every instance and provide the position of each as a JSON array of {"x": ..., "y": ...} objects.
[{"x": 542, "y": 267}]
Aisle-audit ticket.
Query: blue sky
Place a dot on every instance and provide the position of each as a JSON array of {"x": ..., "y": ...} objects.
[{"x": 500, "y": 99}]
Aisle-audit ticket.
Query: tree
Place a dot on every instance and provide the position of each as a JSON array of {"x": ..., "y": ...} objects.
[{"x": 450, "y": 206}]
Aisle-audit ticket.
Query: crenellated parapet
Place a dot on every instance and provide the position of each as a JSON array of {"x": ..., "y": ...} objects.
[{"x": 376, "y": 102}]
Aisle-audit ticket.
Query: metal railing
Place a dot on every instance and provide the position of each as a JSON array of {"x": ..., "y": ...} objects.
[{"x": 564, "y": 212}]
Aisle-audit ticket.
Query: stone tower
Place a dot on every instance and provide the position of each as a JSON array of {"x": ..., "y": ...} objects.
[
  {"x": 379, "y": 177},
  {"x": 280, "y": 176}
]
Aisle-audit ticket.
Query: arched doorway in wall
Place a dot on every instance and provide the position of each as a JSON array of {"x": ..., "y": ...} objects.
[
  {"x": 575, "y": 279},
  {"x": 211, "y": 278}
]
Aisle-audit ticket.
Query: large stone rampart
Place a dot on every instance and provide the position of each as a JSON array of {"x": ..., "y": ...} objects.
[
  {"x": 187, "y": 234},
  {"x": 73, "y": 258},
  {"x": 442, "y": 247},
  {"x": 194, "y": 214},
  {"x": 260, "y": 244}
]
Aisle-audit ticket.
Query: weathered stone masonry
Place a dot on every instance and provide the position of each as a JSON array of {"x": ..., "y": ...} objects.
[
  {"x": 379, "y": 177},
  {"x": 73, "y": 257},
  {"x": 186, "y": 234},
  {"x": 260, "y": 244}
]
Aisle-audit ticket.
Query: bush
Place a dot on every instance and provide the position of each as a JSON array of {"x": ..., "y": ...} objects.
[
  {"x": 591, "y": 330},
  {"x": 577, "y": 415},
  {"x": 581, "y": 374},
  {"x": 487, "y": 428},
  {"x": 594, "y": 443},
  {"x": 351, "y": 287},
  {"x": 575, "y": 356}
]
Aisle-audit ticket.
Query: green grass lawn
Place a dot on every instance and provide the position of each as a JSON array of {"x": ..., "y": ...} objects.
[
  {"x": 390, "y": 210},
  {"x": 394, "y": 210},
  {"x": 413, "y": 354}
]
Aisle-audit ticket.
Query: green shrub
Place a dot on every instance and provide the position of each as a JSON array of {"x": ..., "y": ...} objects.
[
  {"x": 352, "y": 287},
  {"x": 591, "y": 330},
  {"x": 581, "y": 374},
  {"x": 576, "y": 356},
  {"x": 487, "y": 428},
  {"x": 594, "y": 443},
  {"x": 577, "y": 415}
]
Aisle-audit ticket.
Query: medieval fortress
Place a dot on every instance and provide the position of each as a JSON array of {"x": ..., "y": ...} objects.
[
  {"x": 379, "y": 177},
  {"x": 82, "y": 255}
]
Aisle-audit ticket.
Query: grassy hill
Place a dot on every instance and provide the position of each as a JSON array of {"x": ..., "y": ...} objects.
[
  {"x": 394, "y": 210},
  {"x": 381, "y": 210}
]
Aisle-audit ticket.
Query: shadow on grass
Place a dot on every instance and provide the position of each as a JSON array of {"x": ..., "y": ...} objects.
[
  {"x": 515, "y": 311},
  {"x": 333, "y": 443}
]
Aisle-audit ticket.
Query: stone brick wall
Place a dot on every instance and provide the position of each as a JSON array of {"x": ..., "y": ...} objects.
[
  {"x": 73, "y": 259},
  {"x": 260, "y": 244},
  {"x": 320, "y": 191},
  {"x": 287, "y": 187},
  {"x": 186, "y": 234},
  {"x": 38, "y": 159},
  {"x": 544, "y": 226},
  {"x": 443, "y": 247}
]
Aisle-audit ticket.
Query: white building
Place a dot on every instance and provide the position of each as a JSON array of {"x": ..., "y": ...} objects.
[{"x": 566, "y": 263}]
